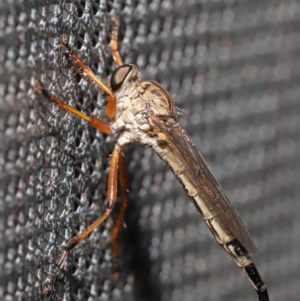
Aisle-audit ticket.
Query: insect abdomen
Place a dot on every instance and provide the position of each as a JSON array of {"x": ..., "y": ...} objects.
[{"x": 222, "y": 235}]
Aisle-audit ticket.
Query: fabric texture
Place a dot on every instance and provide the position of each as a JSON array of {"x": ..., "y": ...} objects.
[{"x": 233, "y": 68}]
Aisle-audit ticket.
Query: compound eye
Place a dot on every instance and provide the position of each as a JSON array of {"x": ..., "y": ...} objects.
[{"x": 119, "y": 76}]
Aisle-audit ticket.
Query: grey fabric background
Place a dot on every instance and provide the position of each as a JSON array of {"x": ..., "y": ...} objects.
[{"x": 234, "y": 70}]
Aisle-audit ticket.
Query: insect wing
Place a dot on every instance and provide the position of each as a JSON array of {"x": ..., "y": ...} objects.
[{"x": 185, "y": 149}]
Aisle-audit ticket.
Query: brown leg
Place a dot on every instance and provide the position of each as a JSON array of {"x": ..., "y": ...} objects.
[
  {"x": 112, "y": 102},
  {"x": 124, "y": 185},
  {"x": 85, "y": 69},
  {"x": 98, "y": 124},
  {"x": 114, "y": 41},
  {"x": 111, "y": 105},
  {"x": 73, "y": 242}
]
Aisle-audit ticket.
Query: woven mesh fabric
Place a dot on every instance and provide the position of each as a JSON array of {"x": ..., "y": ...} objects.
[{"x": 234, "y": 70}]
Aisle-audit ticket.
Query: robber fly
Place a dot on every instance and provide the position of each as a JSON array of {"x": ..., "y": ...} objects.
[{"x": 144, "y": 112}]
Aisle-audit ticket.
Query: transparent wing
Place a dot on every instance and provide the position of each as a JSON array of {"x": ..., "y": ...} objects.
[{"x": 206, "y": 182}]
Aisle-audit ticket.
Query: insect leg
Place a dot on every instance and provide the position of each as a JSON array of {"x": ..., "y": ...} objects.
[
  {"x": 124, "y": 185},
  {"x": 114, "y": 41},
  {"x": 73, "y": 242},
  {"x": 98, "y": 124},
  {"x": 111, "y": 105}
]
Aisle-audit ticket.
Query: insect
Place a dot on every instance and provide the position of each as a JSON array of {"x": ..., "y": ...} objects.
[{"x": 144, "y": 112}]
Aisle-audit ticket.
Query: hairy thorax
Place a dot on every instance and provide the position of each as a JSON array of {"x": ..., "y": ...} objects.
[{"x": 135, "y": 103}]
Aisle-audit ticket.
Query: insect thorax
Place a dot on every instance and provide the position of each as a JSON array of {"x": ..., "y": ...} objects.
[{"x": 135, "y": 102}]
